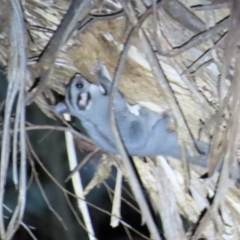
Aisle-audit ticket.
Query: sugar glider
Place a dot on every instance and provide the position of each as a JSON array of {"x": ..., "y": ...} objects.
[{"x": 142, "y": 131}]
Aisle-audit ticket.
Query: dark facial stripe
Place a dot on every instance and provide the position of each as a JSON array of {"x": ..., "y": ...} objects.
[{"x": 70, "y": 97}]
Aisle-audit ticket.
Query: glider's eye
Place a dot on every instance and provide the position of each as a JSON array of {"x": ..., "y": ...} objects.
[{"x": 79, "y": 85}]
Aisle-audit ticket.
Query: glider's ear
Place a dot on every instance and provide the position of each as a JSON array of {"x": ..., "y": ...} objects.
[{"x": 61, "y": 108}]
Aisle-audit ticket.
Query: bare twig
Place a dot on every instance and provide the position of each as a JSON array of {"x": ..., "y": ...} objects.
[
  {"x": 116, "y": 206},
  {"x": 198, "y": 39},
  {"x": 131, "y": 175},
  {"x": 32, "y": 152},
  {"x": 184, "y": 16},
  {"x": 74, "y": 212},
  {"x": 134, "y": 230},
  {"x": 83, "y": 162},
  {"x": 15, "y": 149},
  {"x": 90, "y": 19},
  {"x": 56, "y": 128},
  {"x": 77, "y": 183},
  {"x": 25, "y": 226},
  {"x": 65, "y": 191},
  {"x": 126, "y": 191},
  {"x": 28, "y": 230},
  {"x": 168, "y": 93},
  {"x": 178, "y": 64},
  {"x": 59, "y": 128},
  {"x": 110, "y": 190},
  {"x": 212, "y": 6},
  {"x": 232, "y": 40},
  {"x": 11, "y": 95},
  {"x": 232, "y": 137},
  {"x": 16, "y": 75}
]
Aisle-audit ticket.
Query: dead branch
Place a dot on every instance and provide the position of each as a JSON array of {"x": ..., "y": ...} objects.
[
  {"x": 46, "y": 62},
  {"x": 131, "y": 176},
  {"x": 198, "y": 39},
  {"x": 184, "y": 16},
  {"x": 16, "y": 75}
]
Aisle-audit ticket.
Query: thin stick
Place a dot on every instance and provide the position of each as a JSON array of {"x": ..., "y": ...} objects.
[
  {"x": 212, "y": 6},
  {"x": 110, "y": 190},
  {"x": 25, "y": 226},
  {"x": 74, "y": 212},
  {"x": 77, "y": 183},
  {"x": 16, "y": 75},
  {"x": 59, "y": 128},
  {"x": 232, "y": 139},
  {"x": 83, "y": 162},
  {"x": 198, "y": 39},
  {"x": 116, "y": 206},
  {"x": 15, "y": 147},
  {"x": 91, "y": 18},
  {"x": 28, "y": 230},
  {"x": 131, "y": 175},
  {"x": 32, "y": 152},
  {"x": 56, "y": 128}
]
